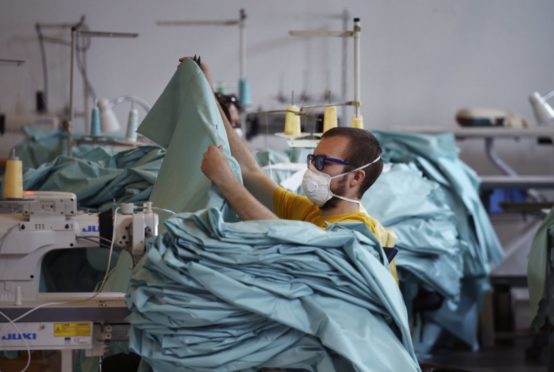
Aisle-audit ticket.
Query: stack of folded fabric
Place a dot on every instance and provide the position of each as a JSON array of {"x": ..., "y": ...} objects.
[{"x": 211, "y": 295}]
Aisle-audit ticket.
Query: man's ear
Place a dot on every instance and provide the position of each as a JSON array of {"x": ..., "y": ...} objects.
[{"x": 358, "y": 178}]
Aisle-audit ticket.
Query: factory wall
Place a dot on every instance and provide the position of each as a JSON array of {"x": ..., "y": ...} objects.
[{"x": 422, "y": 60}]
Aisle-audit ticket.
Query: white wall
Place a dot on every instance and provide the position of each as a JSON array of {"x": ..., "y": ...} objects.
[{"x": 422, "y": 60}]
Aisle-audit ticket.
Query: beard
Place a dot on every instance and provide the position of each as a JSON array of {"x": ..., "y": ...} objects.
[{"x": 334, "y": 201}]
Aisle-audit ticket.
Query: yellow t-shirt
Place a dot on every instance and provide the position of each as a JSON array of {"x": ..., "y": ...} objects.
[{"x": 291, "y": 206}]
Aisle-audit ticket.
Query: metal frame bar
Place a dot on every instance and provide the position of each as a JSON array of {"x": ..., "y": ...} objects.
[
  {"x": 550, "y": 295},
  {"x": 355, "y": 34},
  {"x": 75, "y": 32}
]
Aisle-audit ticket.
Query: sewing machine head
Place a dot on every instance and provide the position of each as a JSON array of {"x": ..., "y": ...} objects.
[{"x": 41, "y": 222}]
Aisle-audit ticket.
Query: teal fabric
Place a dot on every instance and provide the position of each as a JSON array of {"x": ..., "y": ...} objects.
[
  {"x": 479, "y": 248},
  {"x": 99, "y": 179},
  {"x": 437, "y": 157},
  {"x": 44, "y": 145},
  {"x": 185, "y": 120},
  {"x": 536, "y": 271},
  {"x": 416, "y": 209},
  {"x": 211, "y": 295}
]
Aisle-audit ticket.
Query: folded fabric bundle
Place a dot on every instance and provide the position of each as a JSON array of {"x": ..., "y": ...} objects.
[{"x": 211, "y": 295}]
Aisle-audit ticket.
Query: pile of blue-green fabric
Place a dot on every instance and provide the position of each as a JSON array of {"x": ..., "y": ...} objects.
[
  {"x": 436, "y": 249},
  {"x": 211, "y": 295}
]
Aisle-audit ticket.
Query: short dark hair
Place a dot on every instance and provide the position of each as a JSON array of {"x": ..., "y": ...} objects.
[
  {"x": 363, "y": 148},
  {"x": 226, "y": 100}
]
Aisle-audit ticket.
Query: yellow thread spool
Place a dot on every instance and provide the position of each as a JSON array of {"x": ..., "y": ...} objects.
[
  {"x": 292, "y": 121},
  {"x": 13, "y": 178},
  {"x": 329, "y": 118},
  {"x": 358, "y": 122}
]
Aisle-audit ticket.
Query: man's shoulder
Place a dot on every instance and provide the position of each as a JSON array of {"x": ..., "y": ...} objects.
[{"x": 292, "y": 197}]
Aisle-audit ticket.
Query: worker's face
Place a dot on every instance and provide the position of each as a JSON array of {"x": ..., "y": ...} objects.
[{"x": 335, "y": 147}]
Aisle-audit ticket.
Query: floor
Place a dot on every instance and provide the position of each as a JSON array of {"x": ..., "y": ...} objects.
[
  {"x": 501, "y": 358},
  {"x": 508, "y": 353}
]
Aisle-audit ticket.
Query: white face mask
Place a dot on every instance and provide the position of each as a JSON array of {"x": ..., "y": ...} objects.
[{"x": 317, "y": 185}]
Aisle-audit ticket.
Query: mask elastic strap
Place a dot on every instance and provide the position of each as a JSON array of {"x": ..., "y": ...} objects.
[
  {"x": 353, "y": 170},
  {"x": 347, "y": 199}
]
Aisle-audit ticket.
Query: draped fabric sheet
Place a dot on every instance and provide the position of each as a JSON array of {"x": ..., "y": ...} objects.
[
  {"x": 185, "y": 120},
  {"x": 211, "y": 295}
]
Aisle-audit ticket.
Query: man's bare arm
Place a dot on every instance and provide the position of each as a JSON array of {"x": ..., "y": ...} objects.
[
  {"x": 255, "y": 180},
  {"x": 216, "y": 168}
]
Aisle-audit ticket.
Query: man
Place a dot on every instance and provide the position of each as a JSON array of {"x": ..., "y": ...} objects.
[{"x": 346, "y": 162}]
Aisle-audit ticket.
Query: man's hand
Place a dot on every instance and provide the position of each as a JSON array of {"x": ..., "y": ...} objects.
[
  {"x": 216, "y": 167},
  {"x": 202, "y": 66}
]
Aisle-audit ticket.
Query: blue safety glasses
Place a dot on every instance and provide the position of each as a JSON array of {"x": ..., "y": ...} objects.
[{"x": 319, "y": 161}]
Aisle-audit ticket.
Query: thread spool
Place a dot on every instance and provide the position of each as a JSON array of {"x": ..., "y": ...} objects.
[
  {"x": 95, "y": 129},
  {"x": 244, "y": 92},
  {"x": 292, "y": 121},
  {"x": 13, "y": 178},
  {"x": 132, "y": 125},
  {"x": 329, "y": 118},
  {"x": 358, "y": 122}
]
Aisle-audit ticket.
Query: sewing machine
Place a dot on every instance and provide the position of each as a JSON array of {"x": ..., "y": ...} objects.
[{"x": 38, "y": 224}]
